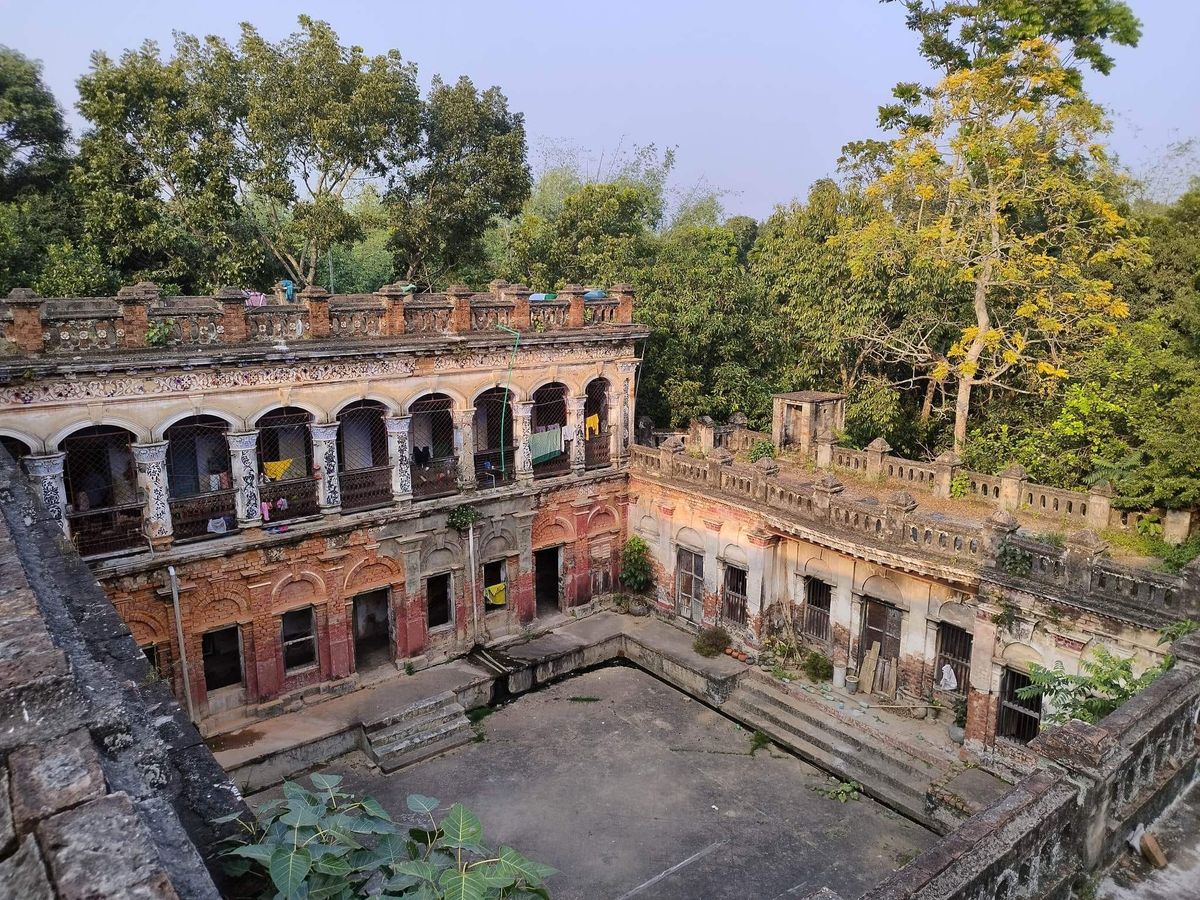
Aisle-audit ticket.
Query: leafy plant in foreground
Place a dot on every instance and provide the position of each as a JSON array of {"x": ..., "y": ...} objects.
[
  {"x": 711, "y": 641},
  {"x": 326, "y": 845},
  {"x": 1106, "y": 682},
  {"x": 636, "y": 573}
]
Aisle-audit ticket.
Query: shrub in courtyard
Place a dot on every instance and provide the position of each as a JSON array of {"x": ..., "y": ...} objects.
[
  {"x": 635, "y": 564},
  {"x": 817, "y": 666},
  {"x": 1104, "y": 683},
  {"x": 325, "y": 843},
  {"x": 711, "y": 641},
  {"x": 761, "y": 450}
]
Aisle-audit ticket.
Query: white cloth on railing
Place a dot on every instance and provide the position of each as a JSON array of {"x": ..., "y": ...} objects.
[{"x": 948, "y": 681}]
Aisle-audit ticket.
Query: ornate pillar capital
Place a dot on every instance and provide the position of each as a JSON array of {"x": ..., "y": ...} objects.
[
  {"x": 150, "y": 461},
  {"x": 47, "y": 470},
  {"x": 243, "y": 469},
  {"x": 325, "y": 457}
]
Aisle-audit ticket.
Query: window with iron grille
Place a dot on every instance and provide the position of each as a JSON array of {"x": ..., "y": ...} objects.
[
  {"x": 689, "y": 581},
  {"x": 495, "y": 585},
  {"x": 198, "y": 476},
  {"x": 103, "y": 506},
  {"x": 299, "y": 639},
  {"x": 954, "y": 650},
  {"x": 551, "y": 453},
  {"x": 1019, "y": 719},
  {"x": 438, "y": 600},
  {"x": 495, "y": 449},
  {"x": 733, "y": 595},
  {"x": 818, "y": 600},
  {"x": 596, "y": 445},
  {"x": 285, "y": 459},
  {"x": 434, "y": 464},
  {"x": 365, "y": 472},
  {"x": 222, "y": 656}
]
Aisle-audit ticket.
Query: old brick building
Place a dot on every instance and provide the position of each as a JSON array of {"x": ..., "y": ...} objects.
[{"x": 272, "y": 482}]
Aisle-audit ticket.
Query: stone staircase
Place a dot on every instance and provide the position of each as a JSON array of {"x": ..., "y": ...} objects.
[
  {"x": 429, "y": 727},
  {"x": 899, "y": 778}
]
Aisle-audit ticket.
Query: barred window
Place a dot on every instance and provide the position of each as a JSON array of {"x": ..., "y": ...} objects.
[
  {"x": 299, "y": 639},
  {"x": 818, "y": 600},
  {"x": 438, "y": 600}
]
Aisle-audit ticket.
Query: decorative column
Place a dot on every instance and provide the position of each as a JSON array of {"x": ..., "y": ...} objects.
[
  {"x": 47, "y": 470},
  {"x": 613, "y": 421},
  {"x": 329, "y": 488},
  {"x": 150, "y": 461},
  {"x": 627, "y": 371},
  {"x": 524, "y": 413},
  {"x": 575, "y": 407},
  {"x": 400, "y": 456},
  {"x": 243, "y": 468},
  {"x": 464, "y": 446}
]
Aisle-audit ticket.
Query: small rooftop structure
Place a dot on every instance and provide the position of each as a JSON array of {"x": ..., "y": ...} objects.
[{"x": 804, "y": 418}]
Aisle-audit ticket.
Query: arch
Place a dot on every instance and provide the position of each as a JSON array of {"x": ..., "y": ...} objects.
[
  {"x": 518, "y": 396},
  {"x": 362, "y": 439},
  {"x": 551, "y": 380},
  {"x": 441, "y": 551},
  {"x": 458, "y": 401},
  {"x": 318, "y": 414},
  {"x": 372, "y": 572},
  {"x": 603, "y": 518},
  {"x": 497, "y": 539},
  {"x": 595, "y": 378},
  {"x": 648, "y": 527},
  {"x": 220, "y": 612},
  {"x": 235, "y": 423},
  {"x": 735, "y": 556},
  {"x": 140, "y": 433},
  {"x": 147, "y": 628},
  {"x": 197, "y": 456},
  {"x": 284, "y": 434},
  {"x": 957, "y": 613},
  {"x": 819, "y": 569},
  {"x": 550, "y": 531},
  {"x": 388, "y": 403},
  {"x": 1021, "y": 655},
  {"x": 297, "y": 589},
  {"x": 881, "y": 587},
  {"x": 690, "y": 538},
  {"x": 32, "y": 444}
]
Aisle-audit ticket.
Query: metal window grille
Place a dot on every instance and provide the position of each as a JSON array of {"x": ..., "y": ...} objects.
[
  {"x": 285, "y": 457},
  {"x": 881, "y": 625},
  {"x": 299, "y": 639},
  {"x": 202, "y": 496},
  {"x": 434, "y": 464},
  {"x": 550, "y": 411},
  {"x": 733, "y": 595},
  {"x": 495, "y": 449},
  {"x": 596, "y": 447},
  {"x": 689, "y": 584},
  {"x": 1019, "y": 719},
  {"x": 365, "y": 474},
  {"x": 103, "y": 505},
  {"x": 954, "y": 650},
  {"x": 818, "y": 600}
]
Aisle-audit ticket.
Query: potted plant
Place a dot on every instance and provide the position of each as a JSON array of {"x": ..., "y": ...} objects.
[{"x": 957, "y": 729}]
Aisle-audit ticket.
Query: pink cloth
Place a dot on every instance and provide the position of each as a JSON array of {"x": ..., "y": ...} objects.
[{"x": 264, "y": 509}]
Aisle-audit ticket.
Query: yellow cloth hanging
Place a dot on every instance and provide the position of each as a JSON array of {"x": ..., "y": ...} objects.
[
  {"x": 495, "y": 595},
  {"x": 275, "y": 470},
  {"x": 591, "y": 426}
]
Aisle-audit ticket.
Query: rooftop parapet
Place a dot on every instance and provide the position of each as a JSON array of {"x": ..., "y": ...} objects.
[{"x": 139, "y": 317}]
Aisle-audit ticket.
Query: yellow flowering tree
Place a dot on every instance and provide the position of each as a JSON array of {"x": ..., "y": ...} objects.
[{"x": 1004, "y": 193}]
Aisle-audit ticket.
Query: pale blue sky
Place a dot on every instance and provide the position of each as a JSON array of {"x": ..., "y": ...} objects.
[{"x": 758, "y": 97}]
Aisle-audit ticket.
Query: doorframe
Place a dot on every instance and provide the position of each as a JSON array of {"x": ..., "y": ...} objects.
[
  {"x": 389, "y": 621},
  {"x": 561, "y": 566}
]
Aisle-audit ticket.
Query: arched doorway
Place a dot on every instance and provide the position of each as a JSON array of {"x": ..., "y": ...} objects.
[
  {"x": 495, "y": 453},
  {"x": 596, "y": 447},
  {"x": 103, "y": 507},
  {"x": 547, "y": 444},
  {"x": 285, "y": 461},
  {"x": 434, "y": 464},
  {"x": 198, "y": 476},
  {"x": 365, "y": 472}
]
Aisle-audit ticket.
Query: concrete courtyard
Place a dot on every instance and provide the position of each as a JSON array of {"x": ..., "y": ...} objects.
[{"x": 632, "y": 789}]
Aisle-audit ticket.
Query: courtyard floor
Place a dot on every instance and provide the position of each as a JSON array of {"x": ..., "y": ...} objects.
[{"x": 631, "y": 789}]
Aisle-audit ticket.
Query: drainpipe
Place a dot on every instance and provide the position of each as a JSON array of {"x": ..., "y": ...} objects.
[
  {"x": 187, "y": 681},
  {"x": 474, "y": 585}
]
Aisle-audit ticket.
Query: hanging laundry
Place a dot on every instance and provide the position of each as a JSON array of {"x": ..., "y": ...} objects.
[
  {"x": 256, "y": 298},
  {"x": 595, "y": 295},
  {"x": 495, "y": 595},
  {"x": 264, "y": 510},
  {"x": 281, "y": 504},
  {"x": 544, "y": 445},
  {"x": 217, "y": 526},
  {"x": 591, "y": 425},
  {"x": 289, "y": 289},
  {"x": 275, "y": 470},
  {"x": 568, "y": 434}
]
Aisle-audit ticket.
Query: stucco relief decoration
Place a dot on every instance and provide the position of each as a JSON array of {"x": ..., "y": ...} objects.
[
  {"x": 531, "y": 356},
  {"x": 149, "y": 459},
  {"x": 48, "y": 470},
  {"x": 202, "y": 381}
]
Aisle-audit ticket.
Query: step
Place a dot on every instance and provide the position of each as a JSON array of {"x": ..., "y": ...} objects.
[
  {"x": 408, "y": 727},
  {"x": 382, "y": 748},
  {"x": 861, "y": 737},
  {"x": 398, "y": 756},
  {"x": 880, "y": 779},
  {"x": 417, "y": 710}
]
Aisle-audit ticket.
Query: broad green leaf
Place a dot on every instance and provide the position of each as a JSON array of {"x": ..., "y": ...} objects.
[
  {"x": 236, "y": 868},
  {"x": 293, "y": 791},
  {"x": 371, "y": 805},
  {"x": 332, "y": 865},
  {"x": 223, "y": 820},
  {"x": 418, "y": 868},
  {"x": 422, "y": 804},
  {"x": 467, "y": 885},
  {"x": 363, "y": 860},
  {"x": 301, "y": 813},
  {"x": 461, "y": 827},
  {"x": 289, "y": 867},
  {"x": 402, "y": 882},
  {"x": 391, "y": 850},
  {"x": 533, "y": 873},
  {"x": 325, "y": 782},
  {"x": 258, "y": 852},
  {"x": 496, "y": 875},
  {"x": 421, "y": 836}
]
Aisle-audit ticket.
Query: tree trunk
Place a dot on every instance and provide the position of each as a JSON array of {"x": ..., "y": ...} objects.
[
  {"x": 962, "y": 408},
  {"x": 927, "y": 404}
]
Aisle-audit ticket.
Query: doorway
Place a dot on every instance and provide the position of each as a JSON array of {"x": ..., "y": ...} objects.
[
  {"x": 222, "y": 658},
  {"x": 372, "y": 644},
  {"x": 881, "y": 625},
  {"x": 546, "y": 581}
]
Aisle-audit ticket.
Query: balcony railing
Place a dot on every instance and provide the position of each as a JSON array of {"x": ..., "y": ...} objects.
[
  {"x": 552, "y": 468},
  {"x": 107, "y": 530},
  {"x": 489, "y": 472},
  {"x": 816, "y": 622},
  {"x": 438, "y": 478},
  {"x": 289, "y": 499},
  {"x": 366, "y": 488},
  {"x": 597, "y": 451},
  {"x": 203, "y": 515}
]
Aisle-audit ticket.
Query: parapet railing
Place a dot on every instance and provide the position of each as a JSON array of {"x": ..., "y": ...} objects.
[
  {"x": 1077, "y": 569},
  {"x": 139, "y": 317}
]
